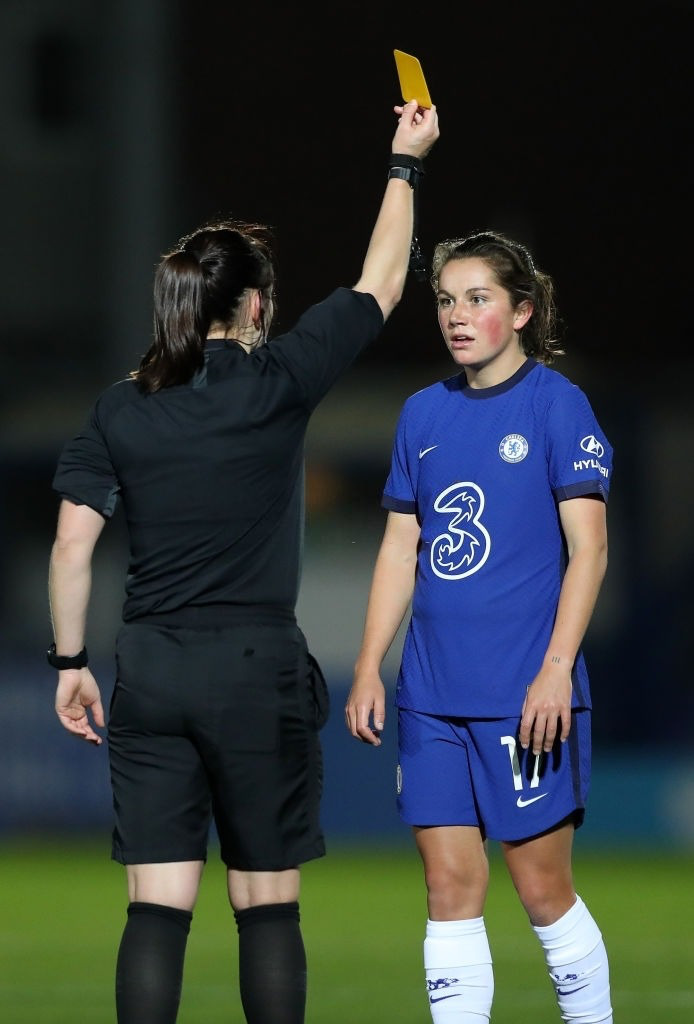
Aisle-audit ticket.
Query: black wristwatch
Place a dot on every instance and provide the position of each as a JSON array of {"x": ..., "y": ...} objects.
[
  {"x": 410, "y": 168},
  {"x": 61, "y": 661}
]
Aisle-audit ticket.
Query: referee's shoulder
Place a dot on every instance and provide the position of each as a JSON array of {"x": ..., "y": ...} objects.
[{"x": 115, "y": 396}]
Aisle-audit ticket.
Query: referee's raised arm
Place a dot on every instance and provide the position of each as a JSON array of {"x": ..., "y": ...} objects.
[{"x": 385, "y": 266}]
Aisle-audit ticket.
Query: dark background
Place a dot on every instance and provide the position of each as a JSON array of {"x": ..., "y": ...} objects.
[{"x": 125, "y": 125}]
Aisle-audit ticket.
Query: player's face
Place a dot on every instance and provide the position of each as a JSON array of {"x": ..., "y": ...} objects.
[{"x": 477, "y": 321}]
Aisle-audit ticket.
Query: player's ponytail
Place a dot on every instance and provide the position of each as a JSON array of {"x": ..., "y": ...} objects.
[
  {"x": 199, "y": 283},
  {"x": 516, "y": 272},
  {"x": 538, "y": 337}
]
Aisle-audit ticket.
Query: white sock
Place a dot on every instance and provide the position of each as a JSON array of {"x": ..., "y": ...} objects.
[
  {"x": 458, "y": 969},
  {"x": 577, "y": 960}
]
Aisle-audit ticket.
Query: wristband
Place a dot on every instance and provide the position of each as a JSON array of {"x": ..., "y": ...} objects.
[
  {"x": 409, "y": 168},
  {"x": 62, "y": 661}
]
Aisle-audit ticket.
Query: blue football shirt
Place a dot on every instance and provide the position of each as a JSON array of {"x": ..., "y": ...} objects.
[{"x": 484, "y": 471}]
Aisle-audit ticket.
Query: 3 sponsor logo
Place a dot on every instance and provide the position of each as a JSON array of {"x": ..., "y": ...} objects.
[{"x": 464, "y": 546}]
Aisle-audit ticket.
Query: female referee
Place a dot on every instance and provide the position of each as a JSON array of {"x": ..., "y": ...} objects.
[{"x": 217, "y": 702}]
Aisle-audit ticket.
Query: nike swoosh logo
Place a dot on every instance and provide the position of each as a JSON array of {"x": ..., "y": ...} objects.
[
  {"x": 520, "y": 802},
  {"x": 423, "y": 451},
  {"x": 570, "y": 991},
  {"x": 437, "y": 999}
]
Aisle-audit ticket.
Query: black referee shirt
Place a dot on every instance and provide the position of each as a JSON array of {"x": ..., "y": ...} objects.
[{"x": 210, "y": 473}]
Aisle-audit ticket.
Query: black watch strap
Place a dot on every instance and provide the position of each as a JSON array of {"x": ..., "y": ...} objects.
[
  {"x": 62, "y": 661},
  {"x": 409, "y": 168}
]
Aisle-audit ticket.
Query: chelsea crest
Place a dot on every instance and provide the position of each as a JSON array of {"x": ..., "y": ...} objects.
[{"x": 513, "y": 448}]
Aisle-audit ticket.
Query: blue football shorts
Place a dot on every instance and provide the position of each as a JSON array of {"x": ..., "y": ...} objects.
[
  {"x": 216, "y": 725},
  {"x": 473, "y": 771}
]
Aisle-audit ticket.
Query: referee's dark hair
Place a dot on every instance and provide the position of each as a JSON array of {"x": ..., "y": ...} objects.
[{"x": 199, "y": 283}]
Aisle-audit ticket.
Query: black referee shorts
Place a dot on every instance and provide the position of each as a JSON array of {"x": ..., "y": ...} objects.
[{"x": 217, "y": 724}]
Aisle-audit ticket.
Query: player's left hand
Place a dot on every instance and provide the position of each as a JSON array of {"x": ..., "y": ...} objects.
[{"x": 546, "y": 712}]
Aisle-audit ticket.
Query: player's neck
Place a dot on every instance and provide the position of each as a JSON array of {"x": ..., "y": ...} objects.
[{"x": 497, "y": 370}]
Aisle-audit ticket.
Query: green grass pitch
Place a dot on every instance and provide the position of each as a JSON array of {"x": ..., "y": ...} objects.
[{"x": 363, "y": 914}]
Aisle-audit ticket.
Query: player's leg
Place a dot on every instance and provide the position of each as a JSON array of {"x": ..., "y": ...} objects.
[
  {"x": 456, "y": 870},
  {"x": 571, "y": 940},
  {"x": 149, "y": 968},
  {"x": 552, "y": 796},
  {"x": 553, "y": 790},
  {"x": 457, "y": 960},
  {"x": 533, "y": 805},
  {"x": 540, "y": 868}
]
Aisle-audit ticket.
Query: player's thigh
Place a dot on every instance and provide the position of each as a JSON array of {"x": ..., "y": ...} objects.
[
  {"x": 434, "y": 785},
  {"x": 519, "y": 794}
]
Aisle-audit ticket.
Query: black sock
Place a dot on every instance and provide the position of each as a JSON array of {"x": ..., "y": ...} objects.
[
  {"x": 272, "y": 964},
  {"x": 149, "y": 970}
]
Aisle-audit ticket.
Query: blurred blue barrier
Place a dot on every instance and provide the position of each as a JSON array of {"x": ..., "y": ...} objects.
[{"x": 52, "y": 781}]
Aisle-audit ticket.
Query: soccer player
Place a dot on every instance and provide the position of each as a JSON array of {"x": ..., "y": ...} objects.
[
  {"x": 217, "y": 702},
  {"x": 496, "y": 533}
]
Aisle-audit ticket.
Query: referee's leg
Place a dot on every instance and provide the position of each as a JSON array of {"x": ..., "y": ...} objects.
[
  {"x": 149, "y": 968},
  {"x": 272, "y": 958}
]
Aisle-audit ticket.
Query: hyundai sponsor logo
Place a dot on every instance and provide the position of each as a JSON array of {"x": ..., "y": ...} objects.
[{"x": 591, "y": 445}]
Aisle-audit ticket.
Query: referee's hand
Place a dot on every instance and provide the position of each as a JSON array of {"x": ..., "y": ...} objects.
[{"x": 76, "y": 694}]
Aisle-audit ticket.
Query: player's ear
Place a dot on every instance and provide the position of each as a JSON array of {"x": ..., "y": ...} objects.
[{"x": 523, "y": 312}]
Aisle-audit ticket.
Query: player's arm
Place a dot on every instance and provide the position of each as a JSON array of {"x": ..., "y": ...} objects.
[
  {"x": 69, "y": 588},
  {"x": 391, "y": 590},
  {"x": 547, "y": 707},
  {"x": 384, "y": 270}
]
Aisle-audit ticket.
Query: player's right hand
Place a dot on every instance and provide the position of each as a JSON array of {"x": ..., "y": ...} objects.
[{"x": 365, "y": 710}]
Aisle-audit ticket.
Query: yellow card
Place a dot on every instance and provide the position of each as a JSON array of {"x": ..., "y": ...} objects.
[{"x": 412, "y": 84}]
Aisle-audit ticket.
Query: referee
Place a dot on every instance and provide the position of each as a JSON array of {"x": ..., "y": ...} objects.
[{"x": 217, "y": 702}]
